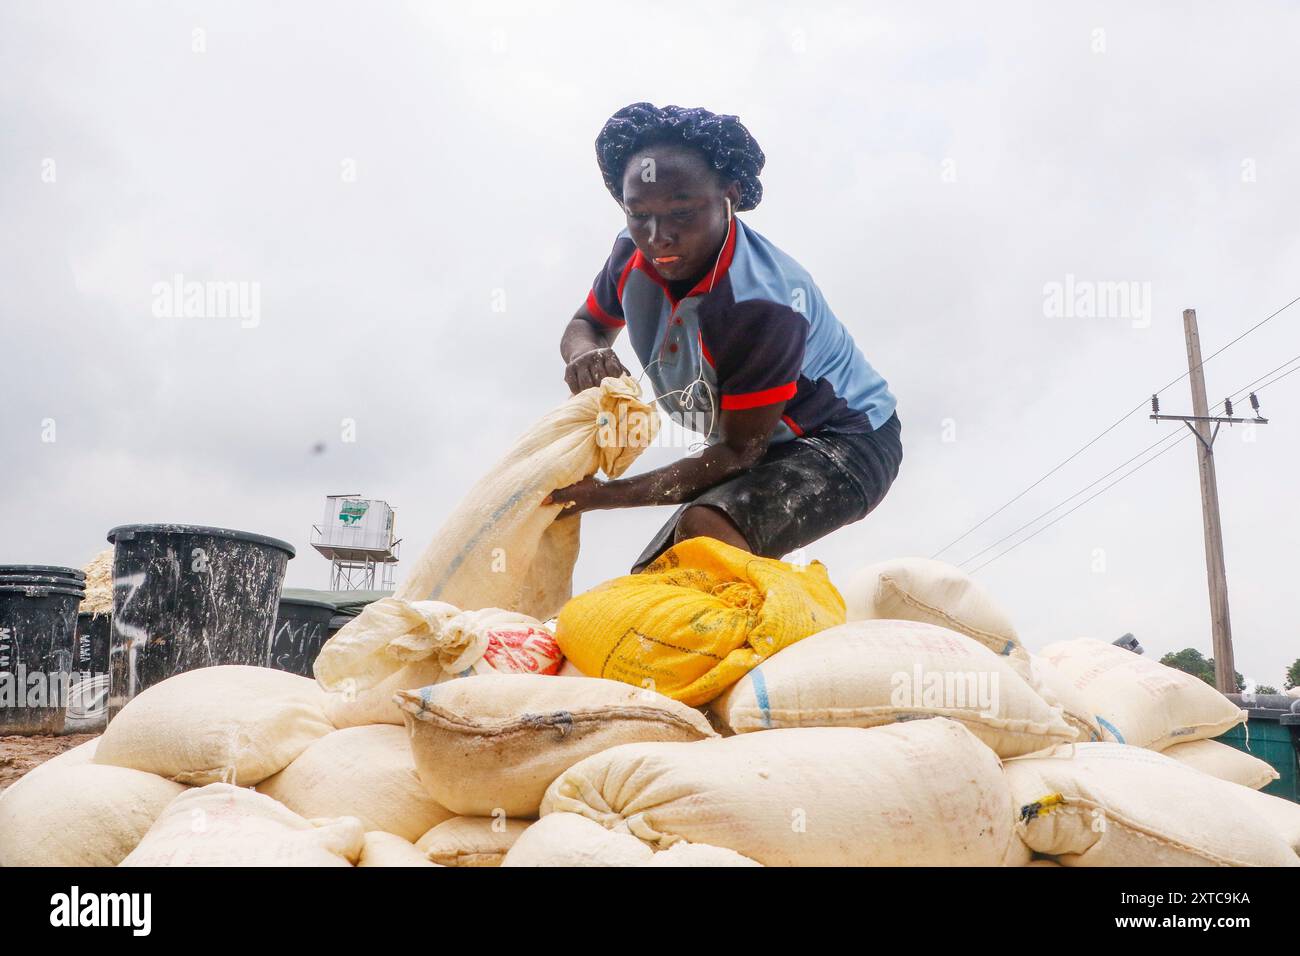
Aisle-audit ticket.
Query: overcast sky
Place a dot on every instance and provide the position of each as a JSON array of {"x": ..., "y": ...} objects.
[{"x": 390, "y": 174}]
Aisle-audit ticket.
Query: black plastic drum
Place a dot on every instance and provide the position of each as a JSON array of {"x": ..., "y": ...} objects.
[
  {"x": 186, "y": 597},
  {"x": 38, "y": 623},
  {"x": 301, "y": 628}
]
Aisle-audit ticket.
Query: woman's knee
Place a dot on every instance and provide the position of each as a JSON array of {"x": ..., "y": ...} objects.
[{"x": 704, "y": 521}]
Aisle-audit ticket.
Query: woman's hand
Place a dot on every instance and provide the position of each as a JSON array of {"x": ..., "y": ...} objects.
[
  {"x": 589, "y": 368},
  {"x": 585, "y": 495}
]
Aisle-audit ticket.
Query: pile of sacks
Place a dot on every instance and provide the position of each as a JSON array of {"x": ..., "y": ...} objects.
[
  {"x": 240, "y": 766},
  {"x": 920, "y": 731},
  {"x": 721, "y": 709}
]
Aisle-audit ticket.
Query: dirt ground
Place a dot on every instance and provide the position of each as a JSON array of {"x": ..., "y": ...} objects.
[{"x": 21, "y": 754}]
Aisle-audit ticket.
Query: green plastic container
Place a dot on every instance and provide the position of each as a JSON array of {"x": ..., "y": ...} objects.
[{"x": 1274, "y": 738}]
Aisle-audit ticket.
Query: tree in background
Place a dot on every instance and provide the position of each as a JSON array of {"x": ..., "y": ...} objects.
[
  {"x": 1292, "y": 675},
  {"x": 1236, "y": 676},
  {"x": 1190, "y": 661},
  {"x": 1265, "y": 689}
]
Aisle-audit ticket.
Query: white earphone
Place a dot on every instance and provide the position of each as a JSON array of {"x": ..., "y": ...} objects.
[
  {"x": 687, "y": 400},
  {"x": 718, "y": 261}
]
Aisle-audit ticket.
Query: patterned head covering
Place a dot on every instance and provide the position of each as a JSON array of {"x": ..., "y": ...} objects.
[{"x": 722, "y": 140}]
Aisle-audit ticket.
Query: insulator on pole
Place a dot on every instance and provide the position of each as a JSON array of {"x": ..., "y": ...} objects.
[
  {"x": 1227, "y": 407},
  {"x": 1155, "y": 404},
  {"x": 1254, "y": 401}
]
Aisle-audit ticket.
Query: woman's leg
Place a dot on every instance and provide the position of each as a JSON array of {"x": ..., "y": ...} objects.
[
  {"x": 801, "y": 491},
  {"x": 706, "y": 521}
]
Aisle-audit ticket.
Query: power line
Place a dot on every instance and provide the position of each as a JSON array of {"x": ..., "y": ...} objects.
[
  {"x": 981, "y": 524},
  {"x": 1278, "y": 379},
  {"x": 1111, "y": 428},
  {"x": 1233, "y": 342},
  {"x": 1243, "y": 391},
  {"x": 972, "y": 557},
  {"x": 1079, "y": 505},
  {"x": 1235, "y": 395}
]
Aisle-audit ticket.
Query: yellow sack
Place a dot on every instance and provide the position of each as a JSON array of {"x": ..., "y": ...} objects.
[{"x": 696, "y": 620}]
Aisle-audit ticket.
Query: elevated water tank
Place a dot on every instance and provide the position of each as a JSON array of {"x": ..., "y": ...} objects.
[{"x": 356, "y": 534}]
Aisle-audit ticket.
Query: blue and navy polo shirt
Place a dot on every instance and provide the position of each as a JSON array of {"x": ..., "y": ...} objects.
[{"x": 759, "y": 332}]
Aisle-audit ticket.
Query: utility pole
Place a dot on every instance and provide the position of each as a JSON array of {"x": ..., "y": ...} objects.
[{"x": 1199, "y": 423}]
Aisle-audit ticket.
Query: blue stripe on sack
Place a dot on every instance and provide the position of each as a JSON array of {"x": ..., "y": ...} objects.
[
  {"x": 760, "y": 694},
  {"x": 474, "y": 539},
  {"x": 1110, "y": 728},
  {"x": 1011, "y": 646}
]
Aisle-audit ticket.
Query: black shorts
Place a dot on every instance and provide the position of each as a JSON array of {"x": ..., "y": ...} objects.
[{"x": 800, "y": 491}]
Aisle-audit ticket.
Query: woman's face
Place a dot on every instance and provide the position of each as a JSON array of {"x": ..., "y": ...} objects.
[{"x": 676, "y": 209}]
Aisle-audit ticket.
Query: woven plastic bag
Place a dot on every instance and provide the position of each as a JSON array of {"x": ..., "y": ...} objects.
[
  {"x": 1138, "y": 701},
  {"x": 500, "y": 549},
  {"x": 919, "y": 793},
  {"x": 1108, "y": 804},
  {"x": 697, "y": 619},
  {"x": 437, "y": 643}
]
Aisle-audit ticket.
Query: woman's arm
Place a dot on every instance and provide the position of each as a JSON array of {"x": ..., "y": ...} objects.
[
  {"x": 587, "y": 350},
  {"x": 745, "y": 436}
]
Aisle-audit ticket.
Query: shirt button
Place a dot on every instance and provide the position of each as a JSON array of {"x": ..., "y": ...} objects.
[
  {"x": 678, "y": 322},
  {"x": 672, "y": 346}
]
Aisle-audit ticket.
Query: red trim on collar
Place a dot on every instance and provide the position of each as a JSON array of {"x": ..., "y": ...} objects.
[
  {"x": 724, "y": 263},
  {"x": 638, "y": 261},
  {"x": 627, "y": 271}
]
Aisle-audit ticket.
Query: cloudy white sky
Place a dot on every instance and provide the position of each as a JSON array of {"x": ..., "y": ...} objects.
[{"x": 386, "y": 172}]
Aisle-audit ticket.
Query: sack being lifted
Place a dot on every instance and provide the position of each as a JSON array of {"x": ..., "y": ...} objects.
[{"x": 501, "y": 547}]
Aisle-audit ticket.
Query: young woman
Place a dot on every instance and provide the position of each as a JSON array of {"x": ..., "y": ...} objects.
[{"x": 737, "y": 342}]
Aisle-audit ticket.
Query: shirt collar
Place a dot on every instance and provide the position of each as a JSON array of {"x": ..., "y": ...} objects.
[{"x": 708, "y": 279}]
